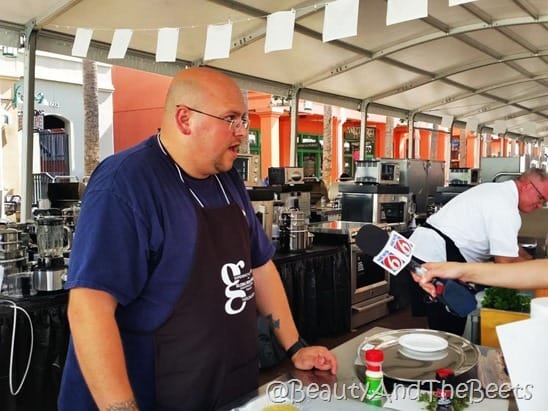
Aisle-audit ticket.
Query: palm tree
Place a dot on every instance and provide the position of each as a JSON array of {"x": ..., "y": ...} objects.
[
  {"x": 91, "y": 116},
  {"x": 327, "y": 140}
]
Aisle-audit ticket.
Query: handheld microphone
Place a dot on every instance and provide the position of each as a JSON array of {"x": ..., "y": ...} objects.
[{"x": 395, "y": 252}]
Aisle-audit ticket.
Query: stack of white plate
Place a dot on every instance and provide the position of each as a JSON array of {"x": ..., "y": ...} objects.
[{"x": 421, "y": 346}]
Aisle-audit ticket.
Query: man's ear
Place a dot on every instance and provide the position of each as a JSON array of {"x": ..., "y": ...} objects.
[{"x": 182, "y": 118}]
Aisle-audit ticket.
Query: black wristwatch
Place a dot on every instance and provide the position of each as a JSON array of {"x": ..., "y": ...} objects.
[{"x": 296, "y": 347}]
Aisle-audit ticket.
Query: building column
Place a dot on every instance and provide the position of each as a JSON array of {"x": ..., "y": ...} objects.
[
  {"x": 270, "y": 140},
  {"x": 389, "y": 137}
]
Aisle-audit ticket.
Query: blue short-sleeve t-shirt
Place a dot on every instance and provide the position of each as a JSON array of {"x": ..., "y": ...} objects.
[{"x": 135, "y": 239}]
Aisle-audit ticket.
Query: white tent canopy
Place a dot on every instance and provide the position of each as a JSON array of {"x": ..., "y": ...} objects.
[{"x": 483, "y": 61}]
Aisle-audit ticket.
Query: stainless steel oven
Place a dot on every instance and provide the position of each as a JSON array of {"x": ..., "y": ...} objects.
[{"x": 369, "y": 283}]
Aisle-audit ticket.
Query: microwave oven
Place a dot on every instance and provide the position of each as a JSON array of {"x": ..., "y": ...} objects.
[
  {"x": 377, "y": 172},
  {"x": 249, "y": 169},
  {"x": 285, "y": 175}
]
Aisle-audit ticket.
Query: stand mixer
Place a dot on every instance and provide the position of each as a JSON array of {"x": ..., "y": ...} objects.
[{"x": 50, "y": 271}]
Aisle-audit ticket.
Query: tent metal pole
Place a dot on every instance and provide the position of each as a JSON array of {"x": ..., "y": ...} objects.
[{"x": 28, "y": 121}]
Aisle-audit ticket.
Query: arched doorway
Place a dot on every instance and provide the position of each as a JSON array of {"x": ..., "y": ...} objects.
[
  {"x": 54, "y": 147},
  {"x": 52, "y": 154}
]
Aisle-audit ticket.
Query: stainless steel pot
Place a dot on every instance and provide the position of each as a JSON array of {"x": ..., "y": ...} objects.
[
  {"x": 11, "y": 255},
  {"x": 298, "y": 240},
  {"x": 6, "y": 246},
  {"x": 9, "y": 235}
]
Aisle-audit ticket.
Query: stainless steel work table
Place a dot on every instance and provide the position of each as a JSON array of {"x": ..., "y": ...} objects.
[{"x": 487, "y": 370}]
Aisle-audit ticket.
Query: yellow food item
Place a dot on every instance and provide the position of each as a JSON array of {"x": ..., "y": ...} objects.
[{"x": 280, "y": 407}]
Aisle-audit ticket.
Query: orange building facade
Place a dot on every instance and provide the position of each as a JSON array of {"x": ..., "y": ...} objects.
[{"x": 139, "y": 98}]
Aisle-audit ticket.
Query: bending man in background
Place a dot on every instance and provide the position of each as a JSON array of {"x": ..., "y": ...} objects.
[{"x": 480, "y": 224}]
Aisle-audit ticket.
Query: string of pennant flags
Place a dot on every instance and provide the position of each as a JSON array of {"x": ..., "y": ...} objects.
[{"x": 340, "y": 21}]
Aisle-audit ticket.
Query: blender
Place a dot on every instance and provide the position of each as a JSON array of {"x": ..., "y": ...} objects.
[{"x": 50, "y": 271}]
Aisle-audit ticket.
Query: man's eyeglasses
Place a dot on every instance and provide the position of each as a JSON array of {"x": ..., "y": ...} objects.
[
  {"x": 233, "y": 124},
  {"x": 540, "y": 195}
]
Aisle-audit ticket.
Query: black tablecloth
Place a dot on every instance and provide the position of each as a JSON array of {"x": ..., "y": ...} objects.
[
  {"x": 316, "y": 281},
  {"x": 317, "y": 284},
  {"x": 51, "y": 335}
]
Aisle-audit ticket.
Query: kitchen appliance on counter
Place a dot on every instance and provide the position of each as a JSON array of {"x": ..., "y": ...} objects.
[
  {"x": 12, "y": 206},
  {"x": 294, "y": 235},
  {"x": 463, "y": 176},
  {"x": 422, "y": 177},
  {"x": 262, "y": 200},
  {"x": 65, "y": 194},
  {"x": 70, "y": 216},
  {"x": 13, "y": 264},
  {"x": 295, "y": 196},
  {"x": 369, "y": 283},
  {"x": 377, "y": 172},
  {"x": 285, "y": 175},
  {"x": 53, "y": 239},
  {"x": 249, "y": 169},
  {"x": 375, "y": 203}
]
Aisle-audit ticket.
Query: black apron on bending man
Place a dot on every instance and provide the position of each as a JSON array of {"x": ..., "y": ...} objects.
[{"x": 421, "y": 303}]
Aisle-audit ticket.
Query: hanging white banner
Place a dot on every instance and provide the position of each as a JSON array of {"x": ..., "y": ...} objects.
[
  {"x": 340, "y": 19},
  {"x": 218, "y": 41},
  {"x": 120, "y": 43},
  {"x": 279, "y": 31},
  {"x": 398, "y": 11},
  {"x": 166, "y": 44},
  {"x": 82, "y": 40},
  {"x": 457, "y": 2}
]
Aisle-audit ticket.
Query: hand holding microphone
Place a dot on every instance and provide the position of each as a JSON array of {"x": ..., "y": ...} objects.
[{"x": 395, "y": 252}]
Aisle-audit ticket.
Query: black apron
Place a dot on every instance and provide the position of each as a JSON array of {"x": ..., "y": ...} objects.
[
  {"x": 438, "y": 316},
  {"x": 206, "y": 353}
]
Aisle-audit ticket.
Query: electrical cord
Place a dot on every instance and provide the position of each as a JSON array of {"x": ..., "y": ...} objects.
[{"x": 12, "y": 350}]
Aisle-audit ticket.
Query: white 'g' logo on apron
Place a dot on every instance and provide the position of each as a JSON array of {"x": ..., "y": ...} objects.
[{"x": 239, "y": 287}]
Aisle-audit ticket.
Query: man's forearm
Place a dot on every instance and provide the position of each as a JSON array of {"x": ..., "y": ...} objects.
[
  {"x": 527, "y": 275},
  {"x": 99, "y": 351},
  {"x": 273, "y": 304}
]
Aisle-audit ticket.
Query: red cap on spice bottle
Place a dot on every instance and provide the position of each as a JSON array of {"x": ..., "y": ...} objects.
[
  {"x": 444, "y": 374},
  {"x": 374, "y": 359}
]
